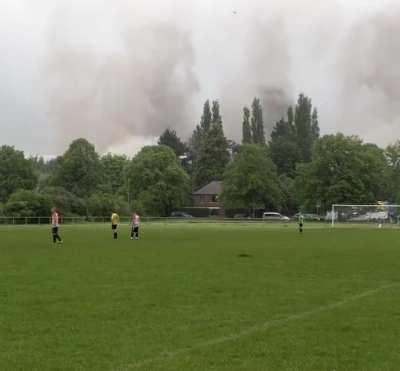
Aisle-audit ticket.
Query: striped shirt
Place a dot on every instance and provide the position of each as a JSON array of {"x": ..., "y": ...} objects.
[
  {"x": 54, "y": 219},
  {"x": 135, "y": 220}
]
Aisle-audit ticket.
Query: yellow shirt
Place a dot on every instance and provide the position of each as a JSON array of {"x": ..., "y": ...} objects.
[{"x": 114, "y": 219}]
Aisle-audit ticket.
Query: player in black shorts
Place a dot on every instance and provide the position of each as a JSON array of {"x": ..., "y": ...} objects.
[{"x": 301, "y": 223}]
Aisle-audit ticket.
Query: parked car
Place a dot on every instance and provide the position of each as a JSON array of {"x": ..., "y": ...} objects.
[
  {"x": 242, "y": 216},
  {"x": 274, "y": 216},
  {"x": 359, "y": 218},
  {"x": 328, "y": 216},
  {"x": 180, "y": 214},
  {"x": 369, "y": 216},
  {"x": 308, "y": 216}
]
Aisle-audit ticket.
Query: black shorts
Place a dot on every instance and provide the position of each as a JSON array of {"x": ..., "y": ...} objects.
[
  {"x": 301, "y": 225},
  {"x": 54, "y": 230},
  {"x": 113, "y": 226}
]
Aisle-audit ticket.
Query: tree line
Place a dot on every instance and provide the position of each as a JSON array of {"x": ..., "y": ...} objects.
[{"x": 293, "y": 169}]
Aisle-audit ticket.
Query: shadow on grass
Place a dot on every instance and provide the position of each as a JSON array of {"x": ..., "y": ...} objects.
[{"x": 244, "y": 256}]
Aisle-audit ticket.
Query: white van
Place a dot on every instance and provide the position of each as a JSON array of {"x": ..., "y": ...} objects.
[{"x": 274, "y": 216}]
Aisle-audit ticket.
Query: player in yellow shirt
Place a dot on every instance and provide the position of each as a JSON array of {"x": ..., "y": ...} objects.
[{"x": 114, "y": 224}]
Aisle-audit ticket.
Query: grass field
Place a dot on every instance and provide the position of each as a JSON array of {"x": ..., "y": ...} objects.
[{"x": 200, "y": 297}]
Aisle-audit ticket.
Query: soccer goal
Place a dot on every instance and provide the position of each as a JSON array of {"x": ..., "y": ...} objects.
[{"x": 378, "y": 214}]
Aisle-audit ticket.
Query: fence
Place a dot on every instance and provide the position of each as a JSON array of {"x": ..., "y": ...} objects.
[
  {"x": 63, "y": 220},
  {"x": 126, "y": 220}
]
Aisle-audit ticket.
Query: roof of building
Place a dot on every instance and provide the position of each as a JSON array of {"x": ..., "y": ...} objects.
[{"x": 213, "y": 188}]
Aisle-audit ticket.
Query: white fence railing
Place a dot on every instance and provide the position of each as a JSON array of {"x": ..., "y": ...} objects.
[
  {"x": 9, "y": 220},
  {"x": 46, "y": 220}
]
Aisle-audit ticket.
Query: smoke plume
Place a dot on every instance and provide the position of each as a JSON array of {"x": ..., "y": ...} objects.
[
  {"x": 369, "y": 69},
  {"x": 122, "y": 72},
  {"x": 141, "y": 85},
  {"x": 262, "y": 70}
]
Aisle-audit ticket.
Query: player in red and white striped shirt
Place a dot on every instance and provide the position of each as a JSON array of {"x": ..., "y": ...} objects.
[
  {"x": 135, "y": 226},
  {"x": 55, "y": 225}
]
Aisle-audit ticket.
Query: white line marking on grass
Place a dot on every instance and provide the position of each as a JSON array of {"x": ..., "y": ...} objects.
[{"x": 167, "y": 355}]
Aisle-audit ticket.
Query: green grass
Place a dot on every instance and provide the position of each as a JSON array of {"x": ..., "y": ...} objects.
[{"x": 200, "y": 297}]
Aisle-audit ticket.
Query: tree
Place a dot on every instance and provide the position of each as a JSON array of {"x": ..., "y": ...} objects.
[
  {"x": 257, "y": 122},
  {"x": 66, "y": 202},
  {"x": 170, "y": 138},
  {"x": 233, "y": 147},
  {"x": 216, "y": 115},
  {"x": 290, "y": 115},
  {"x": 392, "y": 154},
  {"x": 251, "y": 180},
  {"x": 42, "y": 170},
  {"x": 38, "y": 164},
  {"x": 307, "y": 129},
  {"x": 289, "y": 202},
  {"x": 206, "y": 118},
  {"x": 199, "y": 132},
  {"x": 78, "y": 170},
  {"x": 342, "y": 170},
  {"x": 246, "y": 128},
  {"x": 16, "y": 172},
  {"x": 112, "y": 173},
  {"x": 292, "y": 141},
  {"x": 315, "y": 124},
  {"x": 102, "y": 204},
  {"x": 195, "y": 143},
  {"x": 213, "y": 156},
  {"x": 283, "y": 147},
  {"x": 157, "y": 181},
  {"x": 25, "y": 203},
  {"x": 211, "y": 152}
]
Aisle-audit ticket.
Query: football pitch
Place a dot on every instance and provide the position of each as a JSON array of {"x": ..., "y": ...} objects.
[{"x": 200, "y": 297}]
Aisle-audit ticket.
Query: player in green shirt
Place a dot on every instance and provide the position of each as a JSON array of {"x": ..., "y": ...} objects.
[{"x": 301, "y": 223}]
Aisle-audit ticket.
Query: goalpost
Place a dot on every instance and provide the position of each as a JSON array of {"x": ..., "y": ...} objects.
[{"x": 379, "y": 214}]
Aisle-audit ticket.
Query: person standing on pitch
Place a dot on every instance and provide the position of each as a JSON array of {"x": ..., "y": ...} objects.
[
  {"x": 301, "y": 223},
  {"x": 55, "y": 225},
  {"x": 135, "y": 226},
  {"x": 114, "y": 224}
]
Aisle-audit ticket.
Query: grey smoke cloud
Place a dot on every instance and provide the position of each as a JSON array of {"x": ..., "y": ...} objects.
[
  {"x": 120, "y": 72},
  {"x": 140, "y": 86},
  {"x": 260, "y": 68},
  {"x": 273, "y": 60},
  {"x": 275, "y": 101},
  {"x": 369, "y": 66}
]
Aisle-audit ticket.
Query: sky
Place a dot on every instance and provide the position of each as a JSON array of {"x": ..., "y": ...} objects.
[{"x": 119, "y": 73}]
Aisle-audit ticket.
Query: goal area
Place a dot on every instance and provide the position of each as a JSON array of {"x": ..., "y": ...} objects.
[{"x": 378, "y": 214}]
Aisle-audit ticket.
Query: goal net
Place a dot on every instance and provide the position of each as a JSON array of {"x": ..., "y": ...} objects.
[{"x": 379, "y": 214}]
